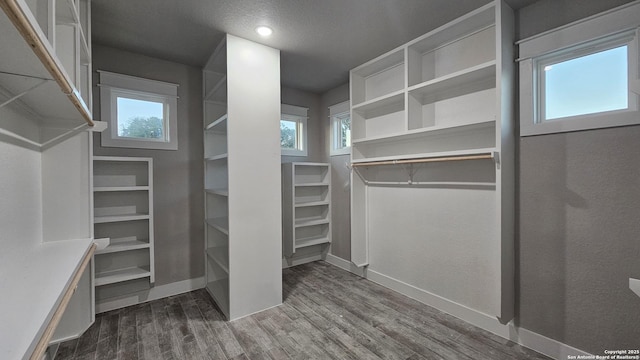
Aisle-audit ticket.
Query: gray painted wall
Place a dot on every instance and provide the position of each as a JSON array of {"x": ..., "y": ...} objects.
[
  {"x": 315, "y": 136},
  {"x": 579, "y": 204},
  {"x": 341, "y": 191},
  {"x": 178, "y": 175}
]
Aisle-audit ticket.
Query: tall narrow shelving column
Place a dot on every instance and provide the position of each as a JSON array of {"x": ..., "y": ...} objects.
[
  {"x": 123, "y": 227},
  {"x": 241, "y": 87},
  {"x": 433, "y": 137}
]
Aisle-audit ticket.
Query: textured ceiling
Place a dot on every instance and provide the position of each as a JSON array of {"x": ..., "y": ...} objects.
[{"x": 320, "y": 40}]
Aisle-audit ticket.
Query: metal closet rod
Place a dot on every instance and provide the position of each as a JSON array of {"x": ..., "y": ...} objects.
[{"x": 425, "y": 160}]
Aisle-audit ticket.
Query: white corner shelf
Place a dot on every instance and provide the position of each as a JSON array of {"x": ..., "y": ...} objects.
[
  {"x": 217, "y": 157},
  {"x": 220, "y": 255},
  {"x": 219, "y": 91},
  {"x": 634, "y": 285},
  {"x": 123, "y": 223},
  {"x": 219, "y": 192},
  {"x": 306, "y": 206},
  {"x": 218, "y": 125}
]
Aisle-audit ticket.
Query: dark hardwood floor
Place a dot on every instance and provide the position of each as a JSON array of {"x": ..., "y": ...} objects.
[{"x": 327, "y": 313}]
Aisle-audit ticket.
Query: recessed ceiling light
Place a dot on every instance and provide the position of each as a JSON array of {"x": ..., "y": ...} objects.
[{"x": 264, "y": 31}]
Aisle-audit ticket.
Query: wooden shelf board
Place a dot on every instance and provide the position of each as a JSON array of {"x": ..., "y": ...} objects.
[
  {"x": 120, "y": 275},
  {"x": 118, "y": 246},
  {"x": 392, "y": 98},
  {"x": 425, "y": 132},
  {"x": 429, "y": 155},
  {"x": 117, "y": 218},
  {"x": 120, "y": 188},
  {"x": 220, "y": 124},
  {"x": 311, "y": 203},
  {"x": 216, "y": 254},
  {"x": 311, "y": 221},
  {"x": 221, "y": 224},
  {"x": 217, "y": 157},
  {"x": 220, "y": 192},
  {"x": 311, "y": 241}
]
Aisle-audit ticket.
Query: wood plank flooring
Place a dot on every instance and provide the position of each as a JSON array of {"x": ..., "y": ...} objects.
[{"x": 327, "y": 313}]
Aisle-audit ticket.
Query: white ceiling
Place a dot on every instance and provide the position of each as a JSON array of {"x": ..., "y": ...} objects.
[{"x": 320, "y": 40}]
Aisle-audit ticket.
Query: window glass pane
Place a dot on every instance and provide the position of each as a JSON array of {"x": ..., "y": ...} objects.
[
  {"x": 140, "y": 119},
  {"x": 288, "y": 134},
  {"x": 345, "y": 131},
  {"x": 589, "y": 84}
]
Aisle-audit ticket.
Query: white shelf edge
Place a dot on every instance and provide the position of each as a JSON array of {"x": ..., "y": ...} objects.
[
  {"x": 121, "y": 275},
  {"x": 118, "y": 218},
  {"x": 311, "y": 203},
  {"x": 311, "y": 184},
  {"x": 120, "y": 188},
  {"x": 216, "y": 122},
  {"x": 124, "y": 246},
  {"x": 480, "y": 151},
  {"x": 122, "y": 158},
  {"x": 453, "y": 76},
  {"x": 310, "y": 222},
  {"x": 634, "y": 285},
  {"x": 217, "y": 157},
  {"x": 425, "y": 131},
  {"x": 363, "y": 106},
  {"x": 211, "y": 252},
  {"x": 306, "y": 242},
  {"x": 216, "y": 87},
  {"x": 220, "y": 192},
  {"x": 219, "y": 224}
]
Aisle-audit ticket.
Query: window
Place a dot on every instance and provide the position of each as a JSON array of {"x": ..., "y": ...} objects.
[
  {"x": 141, "y": 113},
  {"x": 340, "y": 118},
  {"x": 578, "y": 78},
  {"x": 293, "y": 130}
]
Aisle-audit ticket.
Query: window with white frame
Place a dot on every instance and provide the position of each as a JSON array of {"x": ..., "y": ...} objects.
[
  {"x": 293, "y": 130},
  {"x": 141, "y": 113},
  {"x": 582, "y": 76},
  {"x": 340, "y": 119}
]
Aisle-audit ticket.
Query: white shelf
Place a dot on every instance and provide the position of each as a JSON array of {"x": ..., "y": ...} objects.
[
  {"x": 379, "y": 102},
  {"x": 311, "y": 221},
  {"x": 484, "y": 151},
  {"x": 219, "y": 291},
  {"x": 221, "y": 224},
  {"x": 218, "y": 255},
  {"x": 117, "y": 218},
  {"x": 311, "y": 203},
  {"x": 425, "y": 132},
  {"x": 219, "y": 125},
  {"x": 311, "y": 241},
  {"x": 215, "y": 93},
  {"x": 634, "y": 285},
  {"x": 455, "y": 80},
  {"x": 312, "y": 184},
  {"x": 217, "y": 157},
  {"x": 36, "y": 278},
  {"x": 120, "y": 188},
  {"x": 220, "y": 192},
  {"x": 120, "y": 275},
  {"x": 118, "y": 246}
]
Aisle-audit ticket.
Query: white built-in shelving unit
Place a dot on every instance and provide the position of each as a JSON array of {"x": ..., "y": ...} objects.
[
  {"x": 123, "y": 227},
  {"x": 242, "y": 178},
  {"x": 436, "y": 114},
  {"x": 306, "y": 206},
  {"x": 46, "y": 209},
  {"x": 45, "y": 79}
]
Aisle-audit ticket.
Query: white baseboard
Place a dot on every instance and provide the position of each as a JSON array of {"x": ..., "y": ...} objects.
[
  {"x": 524, "y": 337},
  {"x": 346, "y": 265},
  {"x": 155, "y": 293}
]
